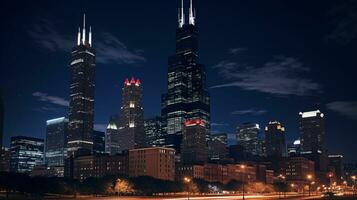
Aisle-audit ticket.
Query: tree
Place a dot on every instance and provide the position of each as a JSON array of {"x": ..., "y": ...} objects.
[
  {"x": 233, "y": 185},
  {"x": 123, "y": 187}
]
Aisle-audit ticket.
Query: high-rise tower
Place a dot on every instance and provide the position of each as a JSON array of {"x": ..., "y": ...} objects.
[
  {"x": 275, "y": 139},
  {"x": 131, "y": 133},
  {"x": 81, "y": 100},
  {"x": 187, "y": 96}
]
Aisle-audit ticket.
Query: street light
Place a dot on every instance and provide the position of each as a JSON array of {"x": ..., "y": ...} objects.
[
  {"x": 309, "y": 177},
  {"x": 187, "y": 180},
  {"x": 354, "y": 184},
  {"x": 243, "y": 170}
]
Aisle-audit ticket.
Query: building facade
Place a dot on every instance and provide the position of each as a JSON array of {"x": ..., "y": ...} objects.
[
  {"x": 131, "y": 133},
  {"x": 297, "y": 169},
  {"x": 100, "y": 165},
  {"x": 217, "y": 147},
  {"x": 335, "y": 163},
  {"x": 312, "y": 137},
  {"x": 26, "y": 152},
  {"x": 275, "y": 139},
  {"x": 187, "y": 96},
  {"x": 112, "y": 145},
  {"x": 2, "y": 114},
  {"x": 153, "y": 132},
  {"x": 157, "y": 162},
  {"x": 56, "y": 141},
  {"x": 81, "y": 98},
  {"x": 5, "y": 160},
  {"x": 194, "y": 146},
  {"x": 98, "y": 142},
  {"x": 247, "y": 136}
]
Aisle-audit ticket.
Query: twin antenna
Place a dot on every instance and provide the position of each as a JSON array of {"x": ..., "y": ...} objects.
[
  {"x": 82, "y": 38},
  {"x": 181, "y": 15}
]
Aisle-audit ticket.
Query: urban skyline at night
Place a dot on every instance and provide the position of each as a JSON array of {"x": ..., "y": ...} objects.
[{"x": 259, "y": 69}]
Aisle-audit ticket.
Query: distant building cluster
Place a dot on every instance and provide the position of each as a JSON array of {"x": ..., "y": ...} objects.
[{"x": 177, "y": 144}]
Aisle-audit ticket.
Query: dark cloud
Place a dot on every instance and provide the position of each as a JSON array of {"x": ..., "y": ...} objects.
[
  {"x": 44, "y": 97},
  {"x": 280, "y": 76},
  {"x": 251, "y": 111},
  {"x": 346, "y": 108},
  {"x": 343, "y": 21},
  {"x": 108, "y": 47},
  {"x": 236, "y": 50}
]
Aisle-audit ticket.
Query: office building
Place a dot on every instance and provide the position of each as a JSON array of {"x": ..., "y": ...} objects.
[
  {"x": 157, "y": 162},
  {"x": 100, "y": 165},
  {"x": 335, "y": 163},
  {"x": 293, "y": 148},
  {"x": 153, "y": 132},
  {"x": 247, "y": 136},
  {"x": 275, "y": 139},
  {"x": 98, "y": 142},
  {"x": 217, "y": 147},
  {"x": 5, "y": 160},
  {"x": 312, "y": 138},
  {"x": 194, "y": 146},
  {"x": 112, "y": 145},
  {"x": 2, "y": 115},
  {"x": 131, "y": 133},
  {"x": 81, "y": 98},
  {"x": 187, "y": 97},
  {"x": 56, "y": 142},
  {"x": 297, "y": 170},
  {"x": 26, "y": 152}
]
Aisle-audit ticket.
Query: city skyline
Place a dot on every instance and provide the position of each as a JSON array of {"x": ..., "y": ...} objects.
[{"x": 232, "y": 66}]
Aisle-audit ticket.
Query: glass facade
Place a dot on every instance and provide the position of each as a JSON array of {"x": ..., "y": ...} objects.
[
  {"x": 98, "y": 142},
  {"x": 275, "y": 139},
  {"x": 81, "y": 99},
  {"x": 247, "y": 136},
  {"x": 56, "y": 141},
  {"x": 152, "y": 128},
  {"x": 187, "y": 96},
  {"x": 26, "y": 152}
]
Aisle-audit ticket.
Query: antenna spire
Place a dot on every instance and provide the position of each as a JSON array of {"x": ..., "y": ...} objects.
[
  {"x": 192, "y": 14},
  {"x": 181, "y": 20},
  {"x": 84, "y": 29},
  {"x": 79, "y": 36},
  {"x": 90, "y": 36}
]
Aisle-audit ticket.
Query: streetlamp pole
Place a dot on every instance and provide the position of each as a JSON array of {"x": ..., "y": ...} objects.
[
  {"x": 354, "y": 185},
  {"x": 309, "y": 177},
  {"x": 243, "y": 179},
  {"x": 187, "y": 181}
]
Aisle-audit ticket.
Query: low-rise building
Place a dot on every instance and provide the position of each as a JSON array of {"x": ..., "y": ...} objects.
[
  {"x": 297, "y": 169},
  {"x": 157, "y": 162},
  {"x": 100, "y": 165}
]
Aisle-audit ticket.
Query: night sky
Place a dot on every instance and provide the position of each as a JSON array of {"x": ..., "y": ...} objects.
[{"x": 265, "y": 60}]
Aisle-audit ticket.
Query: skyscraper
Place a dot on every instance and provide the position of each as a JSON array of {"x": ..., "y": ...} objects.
[
  {"x": 98, "y": 142},
  {"x": 194, "y": 146},
  {"x": 56, "y": 141},
  {"x": 312, "y": 138},
  {"x": 81, "y": 98},
  {"x": 247, "y": 136},
  {"x": 112, "y": 145},
  {"x": 132, "y": 134},
  {"x": 217, "y": 146},
  {"x": 26, "y": 152},
  {"x": 275, "y": 139},
  {"x": 1, "y": 121},
  {"x": 187, "y": 96},
  {"x": 152, "y": 128}
]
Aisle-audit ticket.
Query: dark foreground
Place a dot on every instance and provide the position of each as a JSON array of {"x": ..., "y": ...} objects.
[{"x": 210, "y": 197}]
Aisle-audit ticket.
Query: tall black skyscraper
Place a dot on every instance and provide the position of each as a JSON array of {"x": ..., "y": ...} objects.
[
  {"x": 187, "y": 96},
  {"x": 81, "y": 100},
  {"x": 275, "y": 139},
  {"x": 312, "y": 137},
  {"x": 1, "y": 121}
]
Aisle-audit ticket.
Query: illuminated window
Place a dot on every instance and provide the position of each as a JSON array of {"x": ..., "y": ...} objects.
[{"x": 132, "y": 104}]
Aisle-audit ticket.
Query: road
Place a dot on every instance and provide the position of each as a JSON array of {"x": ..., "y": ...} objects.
[{"x": 228, "y": 197}]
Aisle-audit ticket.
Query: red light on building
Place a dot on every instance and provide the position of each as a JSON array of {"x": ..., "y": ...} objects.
[
  {"x": 192, "y": 122},
  {"x": 132, "y": 81},
  {"x": 330, "y": 174}
]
